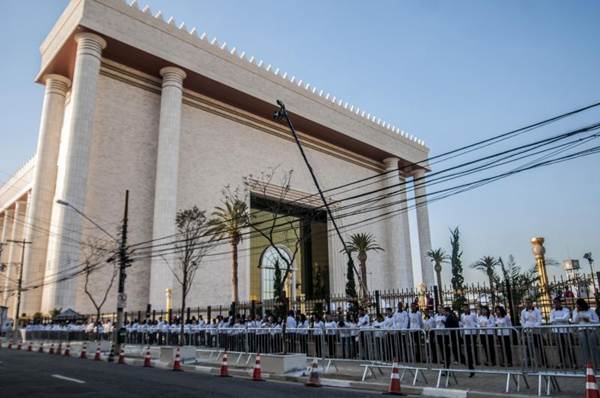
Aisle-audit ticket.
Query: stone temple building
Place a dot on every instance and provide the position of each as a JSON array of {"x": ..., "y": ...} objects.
[{"x": 135, "y": 101}]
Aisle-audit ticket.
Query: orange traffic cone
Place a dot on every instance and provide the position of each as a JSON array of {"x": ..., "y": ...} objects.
[
  {"x": 177, "y": 362},
  {"x": 51, "y": 350},
  {"x": 591, "y": 387},
  {"x": 313, "y": 378},
  {"x": 68, "y": 350},
  {"x": 41, "y": 348},
  {"x": 59, "y": 349},
  {"x": 394, "y": 388},
  {"x": 121, "y": 360},
  {"x": 83, "y": 353},
  {"x": 224, "y": 371},
  {"x": 30, "y": 347},
  {"x": 148, "y": 359},
  {"x": 97, "y": 355},
  {"x": 256, "y": 375}
]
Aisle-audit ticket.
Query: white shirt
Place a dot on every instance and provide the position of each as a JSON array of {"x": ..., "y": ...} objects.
[
  {"x": 486, "y": 324},
  {"x": 440, "y": 323},
  {"x": 377, "y": 325},
  {"x": 363, "y": 321},
  {"x": 469, "y": 322},
  {"x": 531, "y": 318},
  {"x": 503, "y": 323},
  {"x": 401, "y": 320},
  {"x": 318, "y": 328},
  {"x": 330, "y": 327},
  {"x": 560, "y": 317},
  {"x": 388, "y": 322},
  {"x": 429, "y": 323},
  {"x": 290, "y": 323},
  {"x": 585, "y": 317},
  {"x": 415, "y": 320}
]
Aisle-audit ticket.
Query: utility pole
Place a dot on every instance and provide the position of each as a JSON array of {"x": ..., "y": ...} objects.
[
  {"x": 124, "y": 262},
  {"x": 282, "y": 113},
  {"x": 20, "y": 280}
]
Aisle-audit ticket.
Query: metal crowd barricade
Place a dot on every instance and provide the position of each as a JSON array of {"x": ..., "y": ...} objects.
[
  {"x": 559, "y": 351},
  {"x": 546, "y": 352}
]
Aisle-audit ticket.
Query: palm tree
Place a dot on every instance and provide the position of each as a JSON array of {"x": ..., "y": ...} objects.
[
  {"x": 438, "y": 257},
  {"x": 227, "y": 222},
  {"x": 487, "y": 265},
  {"x": 362, "y": 243}
]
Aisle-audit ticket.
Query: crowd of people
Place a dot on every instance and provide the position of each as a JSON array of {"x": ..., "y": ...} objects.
[{"x": 475, "y": 336}]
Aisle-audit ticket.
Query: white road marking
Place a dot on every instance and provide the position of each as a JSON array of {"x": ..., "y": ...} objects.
[{"x": 69, "y": 379}]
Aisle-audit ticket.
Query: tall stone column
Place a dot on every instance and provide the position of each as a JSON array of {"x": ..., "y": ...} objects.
[
  {"x": 14, "y": 254},
  {"x": 165, "y": 191},
  {"x": 399, "y": 273},
  {"x": 7, "y": 227},
  {"x": 423, "y": 226},
  {"x": 74, "y": 183},
  {"x": 42, "y": 193}
]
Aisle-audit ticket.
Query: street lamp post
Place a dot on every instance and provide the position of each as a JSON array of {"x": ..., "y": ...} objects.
[
  {"x": 590, "y": 260},
  {"x": 438, "y": 273},
  {"x": 540, "y": 263}
]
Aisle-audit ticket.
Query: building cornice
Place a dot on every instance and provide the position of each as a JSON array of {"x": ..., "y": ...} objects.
[
  {"x": 150, "y": 83},
  {"x": 143, "y": 40}
]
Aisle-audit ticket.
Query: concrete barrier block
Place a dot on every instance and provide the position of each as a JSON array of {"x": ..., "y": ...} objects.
[{"x": 279, "y": 364}]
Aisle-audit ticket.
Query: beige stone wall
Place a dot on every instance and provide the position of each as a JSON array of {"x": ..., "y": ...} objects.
[{"x": 123, "y": 157}]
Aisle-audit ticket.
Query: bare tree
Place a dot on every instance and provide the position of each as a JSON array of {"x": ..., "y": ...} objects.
[
  {"x": 192, "y": 226},
  {"x": 94, "y": 255},
  {"x": 274, "y": 227}
]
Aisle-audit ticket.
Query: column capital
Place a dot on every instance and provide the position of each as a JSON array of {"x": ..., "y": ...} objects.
[
  {"x": 90, "y": 44},
  {"x": 418, "y": 173},
  {"x": 172, "y": 76},
  {"x": 57, "y": 84},
  {"x": 391, "y": 163}
]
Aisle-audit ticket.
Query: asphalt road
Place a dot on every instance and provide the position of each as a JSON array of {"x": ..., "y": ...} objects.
[{"x": 30, "y": 374}]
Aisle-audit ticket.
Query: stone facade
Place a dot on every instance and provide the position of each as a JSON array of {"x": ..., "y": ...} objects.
[{"x": 174, "y": 130}]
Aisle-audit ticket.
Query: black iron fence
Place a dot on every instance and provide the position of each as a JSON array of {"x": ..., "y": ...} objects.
[{"x": 507, "y": 293}]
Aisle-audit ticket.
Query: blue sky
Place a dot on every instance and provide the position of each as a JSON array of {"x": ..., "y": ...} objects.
[{"x": 449, "y": 72}]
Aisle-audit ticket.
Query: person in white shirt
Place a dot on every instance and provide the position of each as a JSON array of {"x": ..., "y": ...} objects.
[
  {"x": 400, "y": 317},
  {"x": 468, "y": 322},
  {"x": 330, "y": 331},
  {"x": 561, "y": 315},
  {"x": 318, "y": 328},
  {"x": 303, "y": 326},
  {"x": 442, "y": 336},
  {"x": 363, "y": 323},
  {"x": 429, "y": 327},
  {"x": 401, "y": 324},
  {"x": 486, "y": 322},
  {"x": 588, "y": 339},
  {"x": 415, "y": 325},
  {"x": 504, "y": 332},
  {"x": 378, "y": 336},
  {"x": 344, "y": 331},
  {"x": 531, "y": 320},
  {"x": 390, "y": 335},
  {"x": 290, "y": 330}
]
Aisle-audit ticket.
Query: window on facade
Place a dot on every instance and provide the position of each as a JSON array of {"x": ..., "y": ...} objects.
[{"x": 267, "y": 266}]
